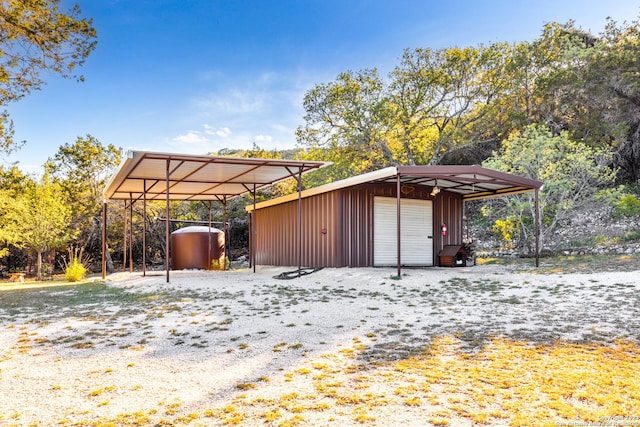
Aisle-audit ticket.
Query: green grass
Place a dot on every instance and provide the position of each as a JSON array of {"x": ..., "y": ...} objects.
[{"x": 53, "y": 301}]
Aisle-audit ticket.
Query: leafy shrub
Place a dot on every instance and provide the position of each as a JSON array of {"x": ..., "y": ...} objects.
[
  {"x": 627, "y": 205},
  {"x": 610, "y": 196},
  {"x": 621, "y": 199},
  {"x": 75, "y": 271},
  {"x": 217, "y": 265},
  {"x": 506, "y": 229},
  {"x": 631, "y": 236}
]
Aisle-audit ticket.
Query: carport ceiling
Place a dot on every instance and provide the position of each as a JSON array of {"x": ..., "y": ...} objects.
[
  {"x": 193, "y": 177},
  {"x": 471, "y": 182}
]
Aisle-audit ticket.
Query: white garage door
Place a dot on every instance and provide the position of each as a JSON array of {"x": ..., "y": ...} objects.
[{"x": 416, "y": 232}]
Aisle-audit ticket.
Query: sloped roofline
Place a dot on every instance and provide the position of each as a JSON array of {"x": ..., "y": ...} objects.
[{"x": 471, "y": 182}]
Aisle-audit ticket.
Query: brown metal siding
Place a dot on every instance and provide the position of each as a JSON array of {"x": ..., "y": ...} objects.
[
  {"x": 355, "y": 219},
  {"x": 347, "y": 216},
  {"x": 277, "y": 233},
  {"x": 319, "y": 230}
]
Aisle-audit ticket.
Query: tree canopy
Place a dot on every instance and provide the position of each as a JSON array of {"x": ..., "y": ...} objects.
[
  {"x": 39, "y": 219},
  {"x": 81, "y": 170},
  {"x": 457, "y": 104},
  {"x": 571, "y": 171},
  {"x": 37, "y": 37}
]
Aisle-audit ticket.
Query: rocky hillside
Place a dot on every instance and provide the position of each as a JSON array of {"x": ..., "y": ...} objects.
[{"x": 589, "y": 232}]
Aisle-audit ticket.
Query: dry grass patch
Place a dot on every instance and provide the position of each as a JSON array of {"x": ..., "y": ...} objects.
[
  {"x": 571, "y": 264},
  {"x": 506, "y": 382}
]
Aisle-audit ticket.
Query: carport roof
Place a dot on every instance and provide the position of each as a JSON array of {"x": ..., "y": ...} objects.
[
  {"x": 470, "y": 182},
  {"x": 197, "y": 177}
]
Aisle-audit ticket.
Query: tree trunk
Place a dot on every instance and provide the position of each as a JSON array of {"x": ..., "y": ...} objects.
[
  {"x": 94, "y": 226},
  {"x": 39, "y": 266},
  {"x": 110, "y": 267}
]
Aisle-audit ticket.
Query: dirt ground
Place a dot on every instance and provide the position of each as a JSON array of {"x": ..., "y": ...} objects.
[{"x": 335, "y": 347}]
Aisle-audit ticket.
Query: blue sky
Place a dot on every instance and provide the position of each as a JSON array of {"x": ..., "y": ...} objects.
[{"x": 195, "y": 76}]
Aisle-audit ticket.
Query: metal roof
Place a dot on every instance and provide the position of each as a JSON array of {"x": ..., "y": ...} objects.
[
  {"x": 471, "y": 182},
  {"x": 197, "y": 177}
]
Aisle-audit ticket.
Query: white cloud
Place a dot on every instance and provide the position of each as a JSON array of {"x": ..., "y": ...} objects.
[
  {"x": 231, "y": 101},
  {"x": 263, "y": 108},
  {"x": 224, "y": 132},
  {"x": 191, "y": 137}
]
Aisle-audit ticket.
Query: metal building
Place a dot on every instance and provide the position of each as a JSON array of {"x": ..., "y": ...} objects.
[
  {"x": 393, "y": 216},
  {"x": 353, "y": 222}
]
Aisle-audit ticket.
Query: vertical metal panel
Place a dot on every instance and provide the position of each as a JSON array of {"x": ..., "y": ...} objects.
[
  {"x": 447, "y": 210},
  {"x": 356, "y": 214},
  {"x": 278, "y": 233}
]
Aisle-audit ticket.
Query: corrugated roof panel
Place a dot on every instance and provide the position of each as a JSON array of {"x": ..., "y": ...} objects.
[{"x": 199, "y": 177}]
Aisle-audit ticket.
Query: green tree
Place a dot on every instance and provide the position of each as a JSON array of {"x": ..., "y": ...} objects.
[
  {"x": 350, "y": 117},
  {"x": 535, "y": 82},
  {"x": 571, "y": 172},
  {"x": 345, "y": 162},
  {"x": 13, "y": 181},
  {"x": 13, "y": 184},
  {"x": 36, "y": 37},
  {"x": 431, "y": 105},
  {"x": 436, "y": 96},
  {"x": 39, "y": 219},
  {"x": 611, "y": 79},
  {"x": 587, "y": 85},
  {"x": 82, "y": 169}
]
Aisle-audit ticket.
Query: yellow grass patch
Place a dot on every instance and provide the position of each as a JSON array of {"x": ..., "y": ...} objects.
[{"x": 504, "y": 383}]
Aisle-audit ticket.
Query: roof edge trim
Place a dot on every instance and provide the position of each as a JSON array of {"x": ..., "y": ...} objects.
[{"x": 336, "y": 185}]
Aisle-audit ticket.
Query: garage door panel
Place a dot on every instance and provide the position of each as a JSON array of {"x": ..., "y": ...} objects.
[
  {"x": 416, "y": 231},
  {"x": 384, "y": 232}
]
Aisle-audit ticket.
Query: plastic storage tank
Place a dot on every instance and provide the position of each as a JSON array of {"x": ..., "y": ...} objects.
[{"x": 189, "y": 248}]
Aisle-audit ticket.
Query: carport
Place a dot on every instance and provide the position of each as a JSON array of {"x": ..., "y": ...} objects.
[
  {"x": 144, "y": 176},
  {"x": 470, "y": 183}
]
